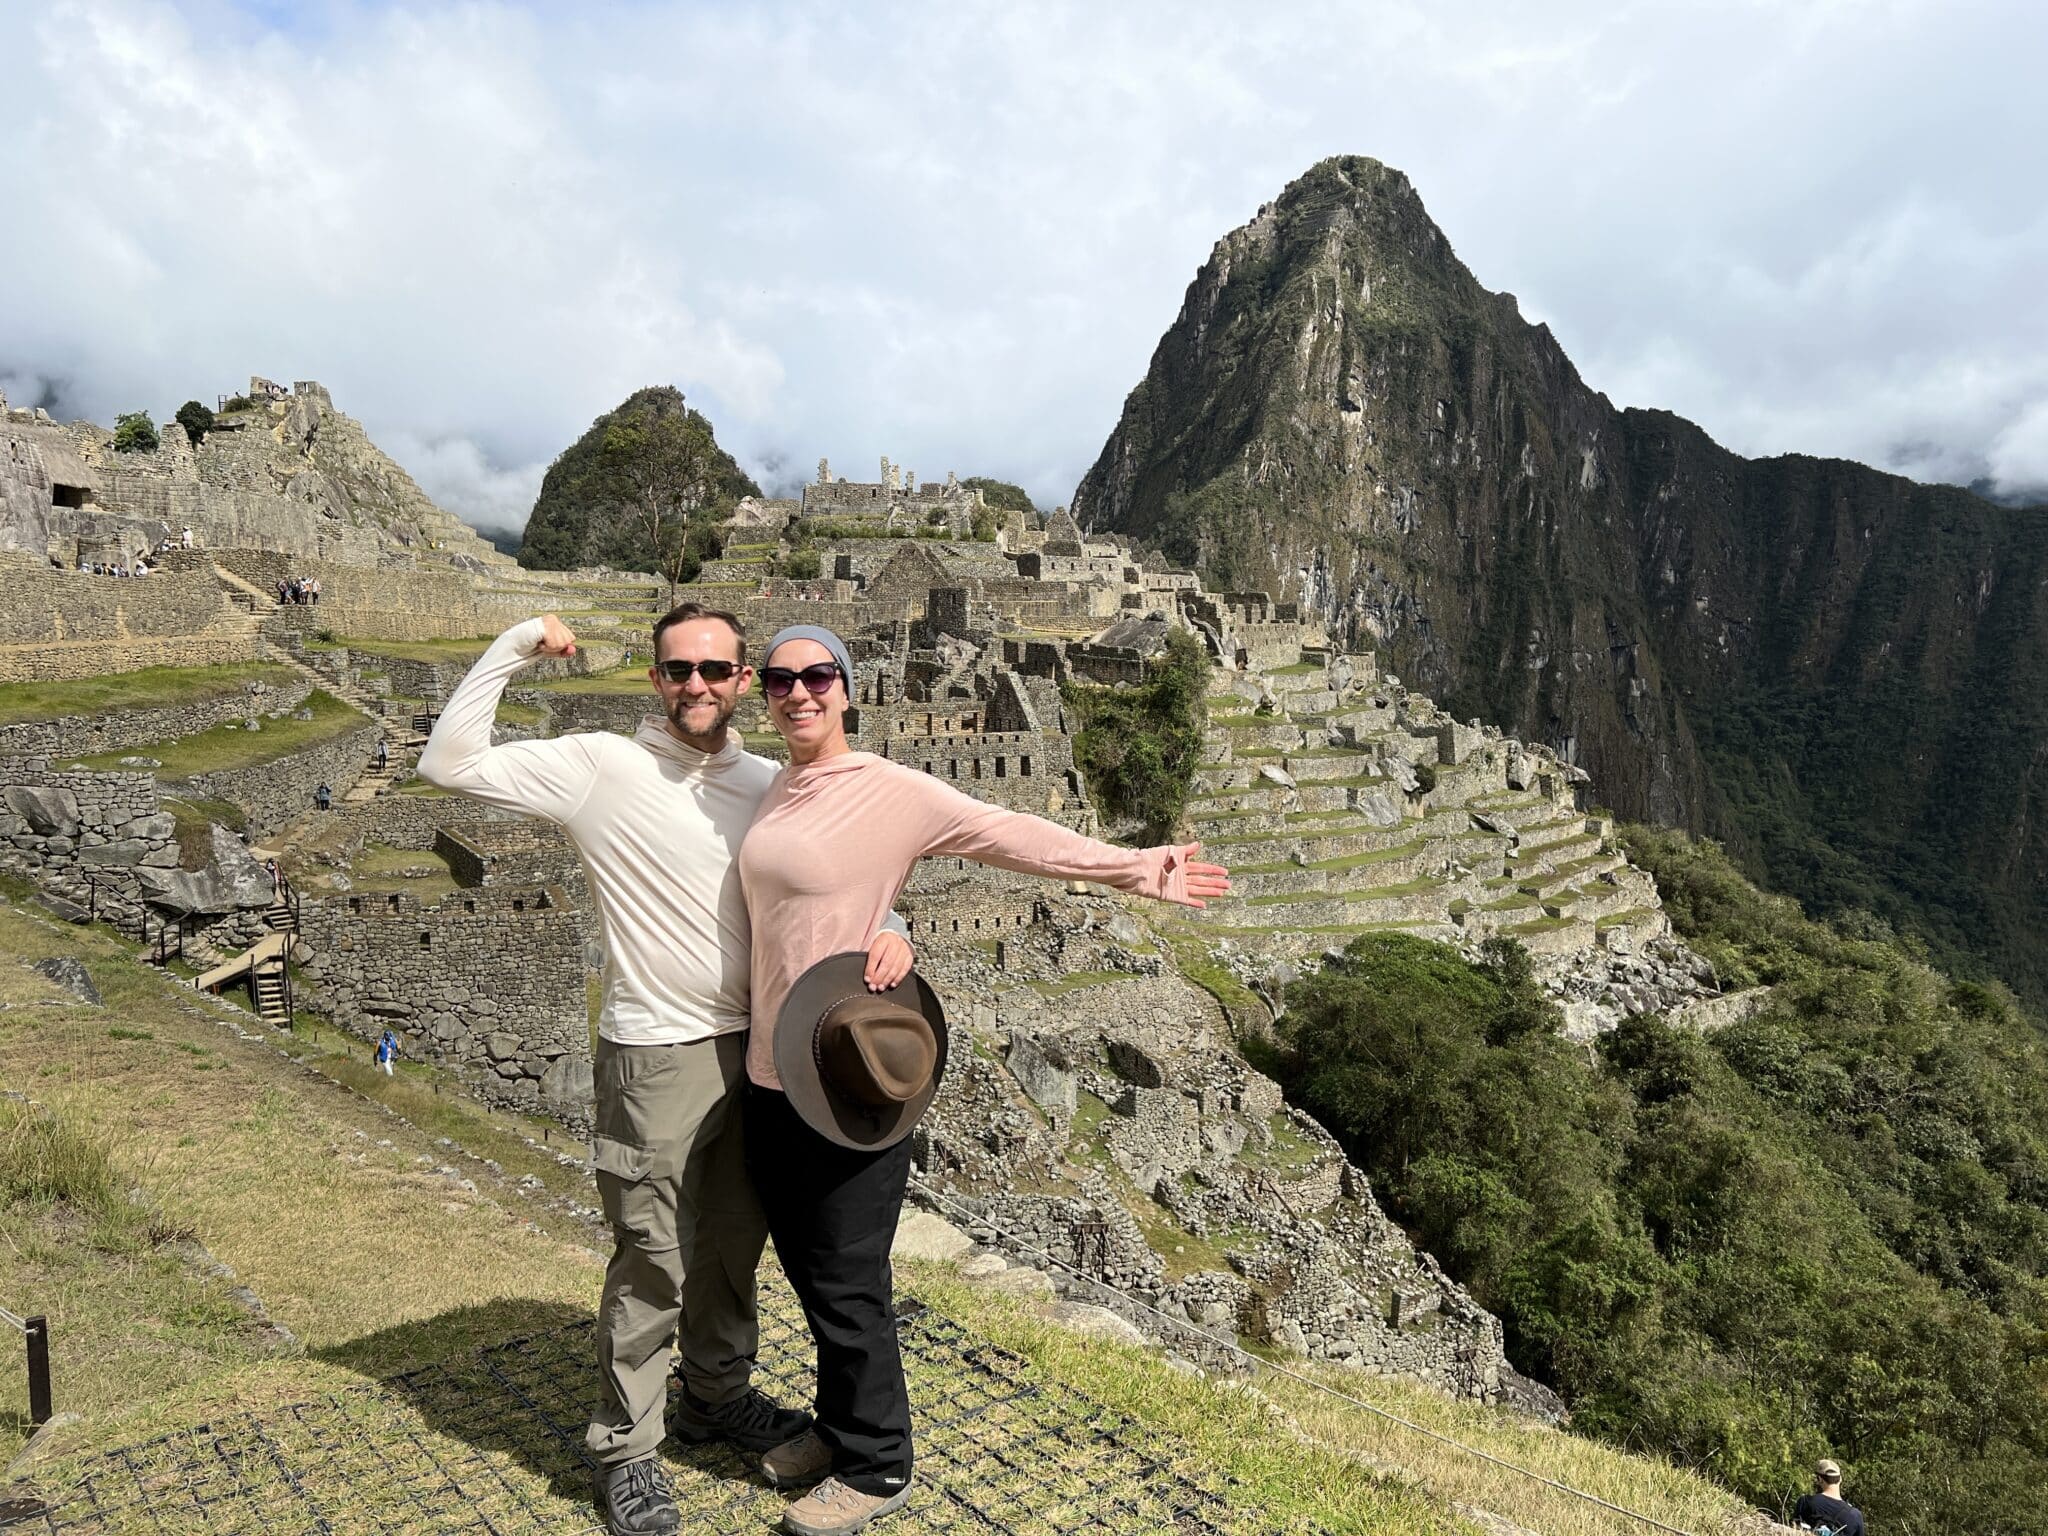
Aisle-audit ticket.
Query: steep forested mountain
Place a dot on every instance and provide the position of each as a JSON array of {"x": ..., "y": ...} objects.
[
  {"x": 1842, "y": 673},
  {"x": 580, "y": 517}
]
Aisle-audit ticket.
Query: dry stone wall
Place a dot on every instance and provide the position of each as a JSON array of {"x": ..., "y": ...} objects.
[
  {"x": 490, "y": 982},
  {"x": 272, "y": 793},
  {"x": 60, "y": 826},
  {"x": 63, "y": 624}
]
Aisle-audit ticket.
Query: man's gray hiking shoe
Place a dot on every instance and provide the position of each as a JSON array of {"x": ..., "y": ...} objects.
[
  {"x": 752, "y": 1421},
  {"x": 638, "y": 1499}
]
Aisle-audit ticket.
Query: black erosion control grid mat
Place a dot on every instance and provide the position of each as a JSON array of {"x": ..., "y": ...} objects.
[{"x": 493, "y": 1442}]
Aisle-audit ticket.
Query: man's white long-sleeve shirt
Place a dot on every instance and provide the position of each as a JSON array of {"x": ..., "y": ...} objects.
[{"x": 658, "y": 825}]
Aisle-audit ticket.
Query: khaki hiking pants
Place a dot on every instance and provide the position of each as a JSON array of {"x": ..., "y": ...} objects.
[{"x": 687, "y": 1234}]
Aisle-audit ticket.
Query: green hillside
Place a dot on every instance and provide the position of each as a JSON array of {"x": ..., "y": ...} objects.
[{"x": 1822, "y": 1230}]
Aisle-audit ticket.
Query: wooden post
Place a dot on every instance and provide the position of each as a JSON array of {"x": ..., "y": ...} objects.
[{"x": 38, "y": 1335}]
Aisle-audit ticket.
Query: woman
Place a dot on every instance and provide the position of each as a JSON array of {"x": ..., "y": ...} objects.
[{"x": 827, "y": 855}]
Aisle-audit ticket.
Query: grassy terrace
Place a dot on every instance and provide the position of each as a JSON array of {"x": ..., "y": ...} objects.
[
  {"x": 1354, "y": 861},
  {"x": 621, "y": 680},
  {"x": 1371, "y": 893},
  {"x": 381, "y": 870},
  {"x": 409, "y": 650},
  {"x": 226, "y": 747},
  {"x": 151, "y": 688}
]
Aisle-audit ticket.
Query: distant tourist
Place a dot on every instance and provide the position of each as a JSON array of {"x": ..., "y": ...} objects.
[
  {"x": 283, "y": 590},
  {"x": 383, "y": 754},
  {"x": 658, "y": 820},
  {"x": 185, "y": 538},
  {"x": 270, "y": 868},
  {"x": 387, "y": 1051},
  {"x": 323, "y": 797},
  {"x": 314, "y": 584},
  {"x": 1825, "y": 1510}
]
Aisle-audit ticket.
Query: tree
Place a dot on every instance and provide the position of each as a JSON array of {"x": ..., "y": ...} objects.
[
  {"x": 664, "y": 468},
  {"x": 196, "y": 419},
  {"x": 134, "y": 432}
]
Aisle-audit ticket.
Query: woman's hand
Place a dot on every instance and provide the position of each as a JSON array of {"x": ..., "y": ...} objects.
[
  {"x": 889, "y": 961},
  {"x": 1191, "y": 883}
]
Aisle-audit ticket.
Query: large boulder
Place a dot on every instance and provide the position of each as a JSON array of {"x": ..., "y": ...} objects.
[
  {"x": 232, "y": 880},
  {"x": 1045, "y": 1080},
  {"x": 71, "y": 975},
  {"x": 48, "y": 812},
  {"x": 567, "y": 1083}
]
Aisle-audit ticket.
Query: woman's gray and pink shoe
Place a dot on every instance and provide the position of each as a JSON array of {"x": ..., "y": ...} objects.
[{"x": 831, "y": 1508}]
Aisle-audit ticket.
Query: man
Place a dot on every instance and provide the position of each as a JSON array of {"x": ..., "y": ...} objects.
[
  {"x": 658, "y": 819},
  {"x": 1825, "y": 1509}
]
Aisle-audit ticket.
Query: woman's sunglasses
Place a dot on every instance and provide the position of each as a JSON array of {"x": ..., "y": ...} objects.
[
  {"x": 713, "y": 671},
  {"x": 817, "y": 679}
]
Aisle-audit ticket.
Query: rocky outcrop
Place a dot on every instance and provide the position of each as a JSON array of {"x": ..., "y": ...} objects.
[{"x": 1836, "y": 670}]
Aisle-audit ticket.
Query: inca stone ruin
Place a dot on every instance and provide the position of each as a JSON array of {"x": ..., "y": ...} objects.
[{"x": 1096, "y": 1105}]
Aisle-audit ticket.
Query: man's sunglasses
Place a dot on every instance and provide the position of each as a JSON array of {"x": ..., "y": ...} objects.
[
  {"x": 817, "y": 679},
  {"x": 713, "y": 671}
]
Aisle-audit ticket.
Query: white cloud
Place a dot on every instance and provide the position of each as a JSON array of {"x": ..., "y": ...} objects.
[
  {"x": 455, "y": 473},
  {"x": 953, "y": 232},
  {"x": 2019, "y": 456}
]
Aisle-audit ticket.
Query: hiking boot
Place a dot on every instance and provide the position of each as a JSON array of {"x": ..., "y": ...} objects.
[
  {"x": 751, "y": 1421},
  {"x": 799, "y": 1463},
  {"x": 832, "y": 1509},
  {"x": 638, "y": 1499}
]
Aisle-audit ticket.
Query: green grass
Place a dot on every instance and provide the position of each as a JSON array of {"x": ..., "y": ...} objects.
[
  {"x": 1239, "y": 1003},
  {"x": 1371, "y": 893},
  {"x": 419, "y": 650},
  {"x": 521, "y": 714},
  {"x": 1075, "y": 981},
  {"x": 1350, "y": 861},
  {"x": 1290, "y": 1151},
  {"x": 629, "y": 680},
  {"x": 223, "y": 748},
  {"x": 151, "y": 688},
  {"x": 379, "y": 869}
]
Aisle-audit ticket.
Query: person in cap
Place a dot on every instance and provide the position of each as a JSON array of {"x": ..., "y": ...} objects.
[
  {"x": 657, "y": 819},
  {"x": 1824, "y": 1509},
  {"x": 847, "y": 1045}
]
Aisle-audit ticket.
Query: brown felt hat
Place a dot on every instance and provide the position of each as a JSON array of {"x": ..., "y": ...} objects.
[{"x": 861, "y": 1067}]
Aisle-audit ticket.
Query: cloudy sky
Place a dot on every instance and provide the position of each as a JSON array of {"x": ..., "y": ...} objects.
[{"x": 952, "y": 232}]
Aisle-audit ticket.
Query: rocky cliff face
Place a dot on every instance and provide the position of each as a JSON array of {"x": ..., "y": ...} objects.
[
  {"x": 578, "y": 518},
  {"x": 1838, "y": 670}
]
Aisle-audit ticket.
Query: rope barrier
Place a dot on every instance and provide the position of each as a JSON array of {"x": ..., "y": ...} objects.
[
  {"x": 1231, "y": 1346},
  {"x": 14, "y": 1320}
]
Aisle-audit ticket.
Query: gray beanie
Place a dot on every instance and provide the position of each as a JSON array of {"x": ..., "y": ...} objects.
[{"x": 824, "y": 637}]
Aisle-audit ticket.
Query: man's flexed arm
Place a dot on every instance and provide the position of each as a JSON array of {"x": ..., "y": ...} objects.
[{"x": 539, "y": 778}]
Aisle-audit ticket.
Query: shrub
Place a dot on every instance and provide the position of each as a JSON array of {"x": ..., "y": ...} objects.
[
  {"x": 134, "y": 432},
  {"x": 801, "y": 565},
  {"x": 196, "y": 419},
  {"x": 1138, "y": 746}
]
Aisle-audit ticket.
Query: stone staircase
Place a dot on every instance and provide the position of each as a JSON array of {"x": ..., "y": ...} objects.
[{"x": 1344, "y": 805}]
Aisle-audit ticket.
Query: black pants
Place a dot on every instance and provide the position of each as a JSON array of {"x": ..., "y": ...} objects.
[{"x": 832, "y": 1212}]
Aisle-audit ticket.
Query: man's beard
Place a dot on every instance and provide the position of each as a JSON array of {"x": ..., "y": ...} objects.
[{"x": 722, "y": 709}]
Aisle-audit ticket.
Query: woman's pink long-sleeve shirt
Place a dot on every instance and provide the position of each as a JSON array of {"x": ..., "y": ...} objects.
[{"x": 834, "y": 842}]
